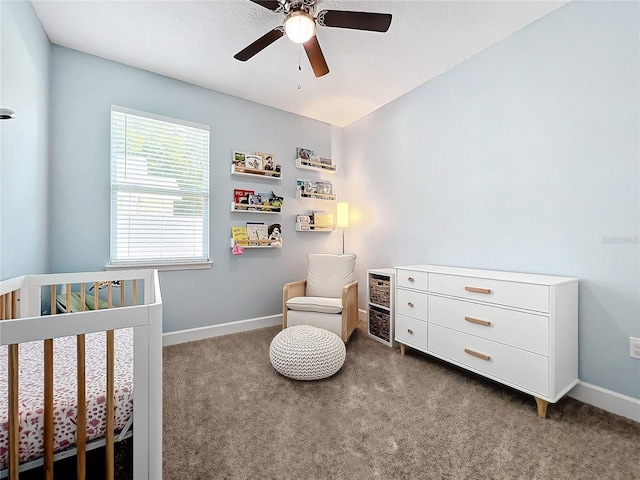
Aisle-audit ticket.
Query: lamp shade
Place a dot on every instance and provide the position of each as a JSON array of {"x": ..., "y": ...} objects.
[
  {"x": 299, "y": 26},
  {"x": 342, "y": 214}
]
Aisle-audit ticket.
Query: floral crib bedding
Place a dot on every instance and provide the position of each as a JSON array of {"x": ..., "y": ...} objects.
[{"x": 31, "y": 392}]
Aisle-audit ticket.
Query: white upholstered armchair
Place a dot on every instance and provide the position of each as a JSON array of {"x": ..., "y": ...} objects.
[{"x": 327, "y": 299}]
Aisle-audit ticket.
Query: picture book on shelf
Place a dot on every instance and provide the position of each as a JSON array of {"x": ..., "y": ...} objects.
[
  {"x": 241, "y": 196},
  {"x": 239, "y": 234},
  {"x": 258, "y": 233}
]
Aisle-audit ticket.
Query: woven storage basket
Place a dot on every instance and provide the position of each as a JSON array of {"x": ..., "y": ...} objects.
[
  {"x": 379, "y": 290},
  {"x": 379, "y": 323}
]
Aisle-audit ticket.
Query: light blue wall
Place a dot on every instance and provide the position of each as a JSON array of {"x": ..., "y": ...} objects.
[
  {"x": 83, "y": 88},
  {"x": 523, "y": 158},
  {"x": 24, "y": 87}
]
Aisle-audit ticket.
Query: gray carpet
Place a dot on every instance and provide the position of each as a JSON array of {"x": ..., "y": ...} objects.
[{"x": 229, "y": 415}]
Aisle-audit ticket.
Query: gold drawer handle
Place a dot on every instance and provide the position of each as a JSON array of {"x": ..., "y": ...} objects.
[
  {"x": 411, "y": 280},
  {"x": 410, "y": 331},
  {"x": 477, "y": 289},
  {"x": 477, "y": 354},
  {"x": 410, "y": 304},
  {"x": 486, "y": 323}
]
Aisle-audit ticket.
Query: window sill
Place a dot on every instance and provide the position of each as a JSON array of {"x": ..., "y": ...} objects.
[{"x": 160, "y": 266}]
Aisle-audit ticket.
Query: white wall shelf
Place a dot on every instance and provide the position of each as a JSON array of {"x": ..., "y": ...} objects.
[
  {"x": 331, "y": 197},
  {"x": 262, "y": 209},
  {"x": 309, "y": 227},
  {"x": 315, "y": 166},
  {"x": 232, "y": 244},
  {"x": 255, "y": 173}
]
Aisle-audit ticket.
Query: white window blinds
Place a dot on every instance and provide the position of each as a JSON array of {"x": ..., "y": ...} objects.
[{"x": 159, "y": 190}]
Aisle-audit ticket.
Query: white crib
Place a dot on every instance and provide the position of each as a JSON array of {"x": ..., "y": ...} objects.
[{"x": 128, "y": 322}]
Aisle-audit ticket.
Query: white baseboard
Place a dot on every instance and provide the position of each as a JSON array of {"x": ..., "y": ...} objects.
[
  {"x": 193, "y": 334},
  {"x": 608, "y": 400},
  {"x": 362, "y": 315}
]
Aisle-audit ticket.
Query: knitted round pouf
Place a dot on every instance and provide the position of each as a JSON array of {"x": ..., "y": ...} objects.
[{"x": 303, "y": 352}]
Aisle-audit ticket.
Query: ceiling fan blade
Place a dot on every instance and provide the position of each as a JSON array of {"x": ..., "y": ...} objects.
[
  {"x": 374, "y": 22},
  {"x": 270, "y": 4},
  {"x": 316, "y": 58},
  {"x": 259, "y": 45}
]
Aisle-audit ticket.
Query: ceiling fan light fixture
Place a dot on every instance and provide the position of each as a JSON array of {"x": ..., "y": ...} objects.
[{"x": 299, "y": 26}]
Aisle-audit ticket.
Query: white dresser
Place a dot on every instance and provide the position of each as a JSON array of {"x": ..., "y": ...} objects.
[{"x": 516, "y": 328}]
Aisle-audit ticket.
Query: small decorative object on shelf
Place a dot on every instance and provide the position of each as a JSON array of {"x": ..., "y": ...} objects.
[
  {"x": 321, "y": 190},
  {"x": 256, "y": 235},
  {"x": 249, "y": 201},
  {"x": 259, "y": 164},
  {"x": 380, "y": 299}
]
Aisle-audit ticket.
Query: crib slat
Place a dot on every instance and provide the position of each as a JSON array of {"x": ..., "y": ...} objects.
[
  {"x": 81, "y": 418},
  {"x": 109, "y": 449},
  {"x": 53, "y": 299},
  {"x": 14, "y": 432},
  {"x": 48, "y": 397},
  {"x": 68, "y": 297},
  {"x": 48, "y": 409},
  {"x": 96, "y": 296},
  {"x": 134, "y": 296},
  {"x": 110, "y": 408},
  {"x": 122, "y": 293},
  {"x": 8, "y": 309}
]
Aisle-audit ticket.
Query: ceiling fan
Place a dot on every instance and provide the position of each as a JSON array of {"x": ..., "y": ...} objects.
[{"x": 300, "y": 26}]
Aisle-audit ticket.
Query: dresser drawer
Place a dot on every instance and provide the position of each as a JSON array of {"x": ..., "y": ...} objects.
[
  {"x": 411, "y": 279},
  {"x": 527, "y": 331},
  {"x": 412, "y": 332},
  {"x": 508, "y": 364},
  {"x": 411, "y": 303},
  {"x": 521, "y": 295}
]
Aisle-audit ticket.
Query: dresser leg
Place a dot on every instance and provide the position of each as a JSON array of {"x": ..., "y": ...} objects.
[
  {"x": 542, "y": 407},
  {"x": 402, "y": 347}
]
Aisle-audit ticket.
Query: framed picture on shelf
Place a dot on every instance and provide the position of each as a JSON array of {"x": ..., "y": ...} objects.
[
  {"x": 325, "y": 188},
  {"x": 305, "y": 186},
  {"x": 268, "y": 161},
  {"x": 253, "y": 161},
  {"x": 239, "y": 158},
  {"x": 304, "y": 153}
]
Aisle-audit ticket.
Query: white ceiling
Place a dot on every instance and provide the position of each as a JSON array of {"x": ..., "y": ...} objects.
[{"x": 195, "y": 41}]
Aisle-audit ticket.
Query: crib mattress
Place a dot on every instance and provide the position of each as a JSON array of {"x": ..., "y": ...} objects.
[{"x": 31, "y": 392}]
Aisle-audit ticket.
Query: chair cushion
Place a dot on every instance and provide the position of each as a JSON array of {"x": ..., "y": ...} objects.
[
  {"x": 315, "y": 304},
  {"x": 327, "y": 273}
]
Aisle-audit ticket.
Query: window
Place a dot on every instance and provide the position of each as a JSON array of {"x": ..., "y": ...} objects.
[{"x": 159, "y": 190}]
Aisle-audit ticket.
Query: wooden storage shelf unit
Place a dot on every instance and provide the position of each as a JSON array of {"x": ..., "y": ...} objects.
[
  {"x": 315, "y": 166},
  {"x": 380, "y": 300}
]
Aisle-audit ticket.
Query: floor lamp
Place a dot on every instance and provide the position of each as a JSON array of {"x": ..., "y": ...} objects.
[{"x": 342, "y": 214}]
